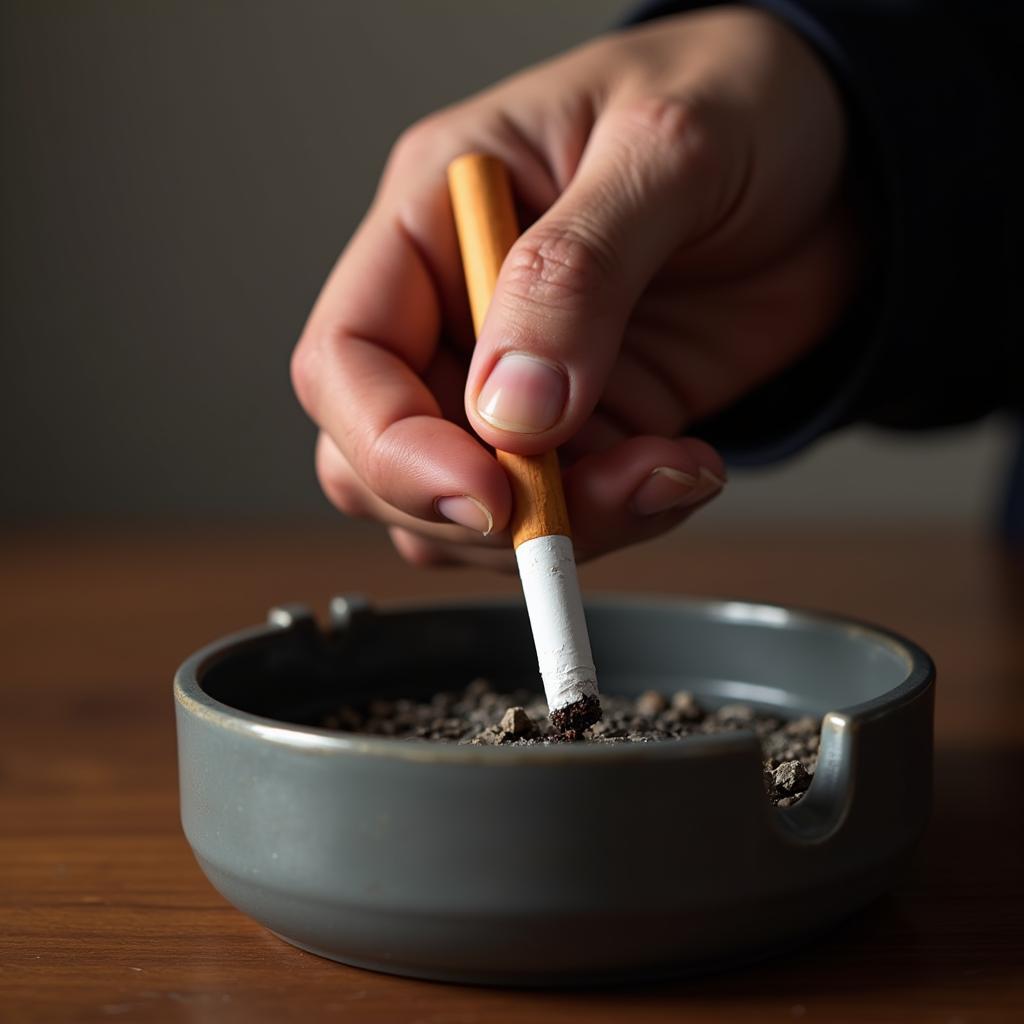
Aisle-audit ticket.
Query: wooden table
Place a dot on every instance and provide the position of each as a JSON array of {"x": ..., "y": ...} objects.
[{"x": 105, "y": 915}]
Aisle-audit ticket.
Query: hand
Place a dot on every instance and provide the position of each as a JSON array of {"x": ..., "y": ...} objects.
[{"x": 686, "y": 241}]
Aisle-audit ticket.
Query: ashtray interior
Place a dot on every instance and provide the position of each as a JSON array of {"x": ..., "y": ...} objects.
[{"x": 768, "y": 657}]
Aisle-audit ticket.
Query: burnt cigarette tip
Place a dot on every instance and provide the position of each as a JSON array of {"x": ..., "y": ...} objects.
[{"x": 574, "y": 718}]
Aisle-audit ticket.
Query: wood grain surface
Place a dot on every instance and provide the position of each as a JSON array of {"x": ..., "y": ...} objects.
[{"x": 104, "y": 914}]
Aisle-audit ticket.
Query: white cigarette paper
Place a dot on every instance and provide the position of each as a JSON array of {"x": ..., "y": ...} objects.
[{"x": 547, "y": 570}]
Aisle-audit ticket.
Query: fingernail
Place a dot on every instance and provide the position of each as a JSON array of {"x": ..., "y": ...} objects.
[
  {"x": 466, "y": 511},
  {"x": 668, "y": 488},
  {"x": 708, "y": 485},
  {"x": 523, "y": 394}
]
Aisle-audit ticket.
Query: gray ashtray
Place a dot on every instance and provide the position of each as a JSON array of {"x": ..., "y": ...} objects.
[{"x": 559, "y": 864}]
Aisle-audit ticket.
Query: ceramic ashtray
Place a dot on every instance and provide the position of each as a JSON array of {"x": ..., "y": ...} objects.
[{"x": 550, "y": 863}]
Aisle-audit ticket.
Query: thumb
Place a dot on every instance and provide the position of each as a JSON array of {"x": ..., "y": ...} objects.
[{"x": 647, "y": 183}]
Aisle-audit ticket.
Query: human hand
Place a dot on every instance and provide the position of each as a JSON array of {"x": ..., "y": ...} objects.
[{"x": 687, "y": 241}]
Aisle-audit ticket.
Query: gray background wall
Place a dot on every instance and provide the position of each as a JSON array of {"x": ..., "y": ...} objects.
[{"x": 177, "y": 179}]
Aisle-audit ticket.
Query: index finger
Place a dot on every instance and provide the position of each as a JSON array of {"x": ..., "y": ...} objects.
[{"x": 358, "y": 371}]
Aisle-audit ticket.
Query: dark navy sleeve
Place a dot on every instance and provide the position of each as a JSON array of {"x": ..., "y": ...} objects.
[{"x": 931, "y": 90}]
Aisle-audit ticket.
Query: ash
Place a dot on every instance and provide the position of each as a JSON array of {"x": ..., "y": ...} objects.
[{"x": 480, "y": 715}]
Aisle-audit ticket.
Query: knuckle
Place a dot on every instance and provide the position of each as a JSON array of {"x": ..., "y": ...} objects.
[
  {"x": 559, "y": 266},
  {"x": 674, "y": 121},
  {"x": 694, "y": 141},
  {"x": 420, "y": 141},
  {"x": 304, "y": 371},
  {"x": 683, "y": 131}
]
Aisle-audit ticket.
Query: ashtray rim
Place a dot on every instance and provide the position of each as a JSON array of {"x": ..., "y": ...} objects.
[{"x": 192, "y": 699}]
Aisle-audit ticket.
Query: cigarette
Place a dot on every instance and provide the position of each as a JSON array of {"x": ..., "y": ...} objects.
[
  {"x": 547, "y": 572},
  {"x": 485, "y": 219}
]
